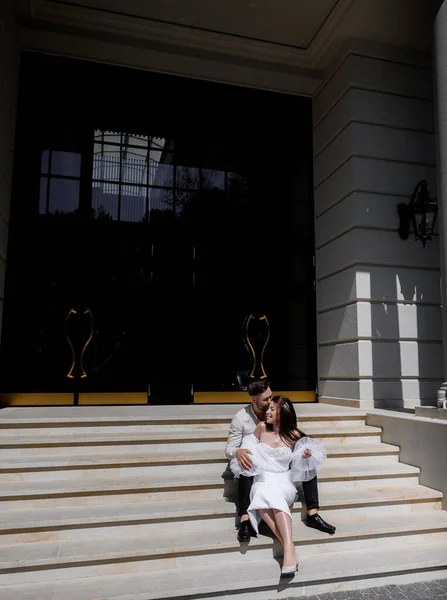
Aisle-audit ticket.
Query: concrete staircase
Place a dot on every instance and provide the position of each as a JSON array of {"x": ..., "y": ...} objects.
[{"x": 127, "y": 503}]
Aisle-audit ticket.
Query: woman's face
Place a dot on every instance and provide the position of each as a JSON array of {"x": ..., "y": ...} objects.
[{"x": 272, "y": 414}]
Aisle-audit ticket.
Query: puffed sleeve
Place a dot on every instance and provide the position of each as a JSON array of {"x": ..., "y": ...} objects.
[
  {"x": 305, "y": 469},
  {"x": 250, "y": 442}
]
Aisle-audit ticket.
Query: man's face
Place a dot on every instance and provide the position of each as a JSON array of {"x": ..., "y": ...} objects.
[{"x": 262, "y": 401}]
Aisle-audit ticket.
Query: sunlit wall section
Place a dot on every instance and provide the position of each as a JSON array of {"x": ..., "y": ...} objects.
[{"x": 379, "y": 317}]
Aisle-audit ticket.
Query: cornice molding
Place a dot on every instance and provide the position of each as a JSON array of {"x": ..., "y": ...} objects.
[
  {"x": 325, "y": 39},
  {"x": 136, "y": 27},
  {"x": 118, "y": 51},
  {"x": 140, "y": 43}
]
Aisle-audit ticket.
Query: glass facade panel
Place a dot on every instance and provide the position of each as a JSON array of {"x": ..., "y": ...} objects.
[
  {"x": 161, "y": 169},
  {"x": 187, "y": 178},
  {"x": 45, "y": 161},
  {"x": 133, "y": 203},
  {"x": 106, "y": 167},
  {"x": 187, "y": 240},
  {"x": 105, "y": 199},
  {"x": 64, "y": 196},
  {"x": 60, "y": 188},
  {"x": 43, "y": 195},
  {"x": 67, "y": 164},
  {"x": 213, "y": 179}
]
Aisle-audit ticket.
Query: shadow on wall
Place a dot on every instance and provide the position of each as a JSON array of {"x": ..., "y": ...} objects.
[
  {"x": 387, "y": 388},
  {"x": 337, "y": 331},
  {"x": 397, "y": 319},
  {"x": 406, "y": 337}
]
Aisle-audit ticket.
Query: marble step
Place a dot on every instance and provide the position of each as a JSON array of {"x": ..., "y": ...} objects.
[
  {"x": 137, "y": 428},
  {"x": 174, "y": 508},
  {"x": 116, "y": 432},
  {"x": 173, "y": 460},
  {"x": 166, "y": 452},
  {"x": 68, "y": 482},
  {"x": 198, "y": 545},
  {"x": 173, "y": 455},
  {"x": 105, "y": 428},
  {"x": 341, "y": 445},
  {"x": 210, "y": 535},
  {"x": 135, "y": 580},
  {"x": 125, "y": 415},
  {"x": 39, "y": 438},
  {"x": 344, "y": 468}
]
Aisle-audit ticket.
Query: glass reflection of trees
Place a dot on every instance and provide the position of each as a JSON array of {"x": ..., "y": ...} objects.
[
  {"x": 137, "y": 179},
  {"x": 60, "y": 177}
]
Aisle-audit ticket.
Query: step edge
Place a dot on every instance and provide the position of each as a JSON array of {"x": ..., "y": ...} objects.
[{"x": 225, "y": 547}]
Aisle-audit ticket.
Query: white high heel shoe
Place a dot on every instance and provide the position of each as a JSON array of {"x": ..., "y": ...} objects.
[{"x": 289, "y": 570}]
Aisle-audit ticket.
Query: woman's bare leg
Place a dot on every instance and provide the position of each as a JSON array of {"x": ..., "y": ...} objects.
[
  {"x": 284, "y": 526},
  {"x": 268, "y": 516}
]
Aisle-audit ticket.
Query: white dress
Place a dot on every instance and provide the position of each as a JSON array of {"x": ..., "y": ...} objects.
[{"x": 274, "y": 471}]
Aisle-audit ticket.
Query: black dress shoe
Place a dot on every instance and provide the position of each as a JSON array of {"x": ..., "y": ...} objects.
[
  {"x": 317, "y": 522},
  {"x": 245, "y": 532}
]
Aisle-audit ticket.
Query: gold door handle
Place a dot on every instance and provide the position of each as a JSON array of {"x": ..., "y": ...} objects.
[
  {"x": 72, "y": 311},
  {"x": 84, "y": 373},
  {"x": 88, "y": 312},
  {"x": 250, "y": 348}
]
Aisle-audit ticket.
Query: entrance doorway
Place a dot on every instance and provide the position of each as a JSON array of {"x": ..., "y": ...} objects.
[{"x": 161, "y": 237}]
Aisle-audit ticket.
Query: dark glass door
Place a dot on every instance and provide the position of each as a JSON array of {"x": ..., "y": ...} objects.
[
  {"x": 154, "y": 249},
  {"x": 171, "y": 327}
]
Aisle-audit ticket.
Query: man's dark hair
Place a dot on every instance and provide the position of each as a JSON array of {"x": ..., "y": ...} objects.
[{"x": 255, "y": 388}]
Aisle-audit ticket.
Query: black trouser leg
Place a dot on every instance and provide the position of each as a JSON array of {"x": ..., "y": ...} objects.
[
  {"x": 243, "y": 494},
  {"x": 310, "y": 489}
]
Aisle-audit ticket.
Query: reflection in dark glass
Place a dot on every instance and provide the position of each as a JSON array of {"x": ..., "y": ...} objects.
[
  {"x": 105, "y": 200},
  {"x": 110, "y": 142},
  {"x": 107, "y": 142},
  {"x": 133, "y": 203},
  {"x": 161, "y": 199},
  {"x": 64, "y": 196},
  {"x": 151, "y": 186},
  {"x": 188, "y": 178},
  {"x": 134, "y": 170},
  {"x": 144, "y": 168},
  {"x": 66, "y": 163},
  {"x": 159, "y": 143},
  {"x": 43, "y": 195},
  {"x": 135, "y": 140},
  {"x": 213, "y": 179},
  {"x": 107, "y": 149},
  {"x": 237, "y": 186},
  {"x": 161, "y": 170},
  {"x": 103, "y": 137},
  {"x": 161, "y": 204},
  {"x": 106, "y": 167},
  {"x": 45, "y": 161},
  {"x": 185, "y": 201}
]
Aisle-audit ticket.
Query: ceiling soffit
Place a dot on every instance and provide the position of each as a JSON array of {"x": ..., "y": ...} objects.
[
  {"x": 286, "y": 23},
  {"x": 88, "y": 17}
]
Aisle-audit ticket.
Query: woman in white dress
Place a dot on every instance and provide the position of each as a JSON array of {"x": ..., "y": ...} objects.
[{"x": 281, "y": 454}]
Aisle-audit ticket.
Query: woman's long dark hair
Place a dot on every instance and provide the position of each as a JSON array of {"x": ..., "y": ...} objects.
[{"x": 287, "y": 425}]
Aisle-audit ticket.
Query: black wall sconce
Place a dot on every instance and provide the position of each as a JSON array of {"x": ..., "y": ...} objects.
[{"x": 419, "y": 215}]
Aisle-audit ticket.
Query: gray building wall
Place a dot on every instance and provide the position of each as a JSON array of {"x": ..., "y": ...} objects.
[
  {"x": 9, "y": 76},
  {"x": 378, "y": 297}
]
